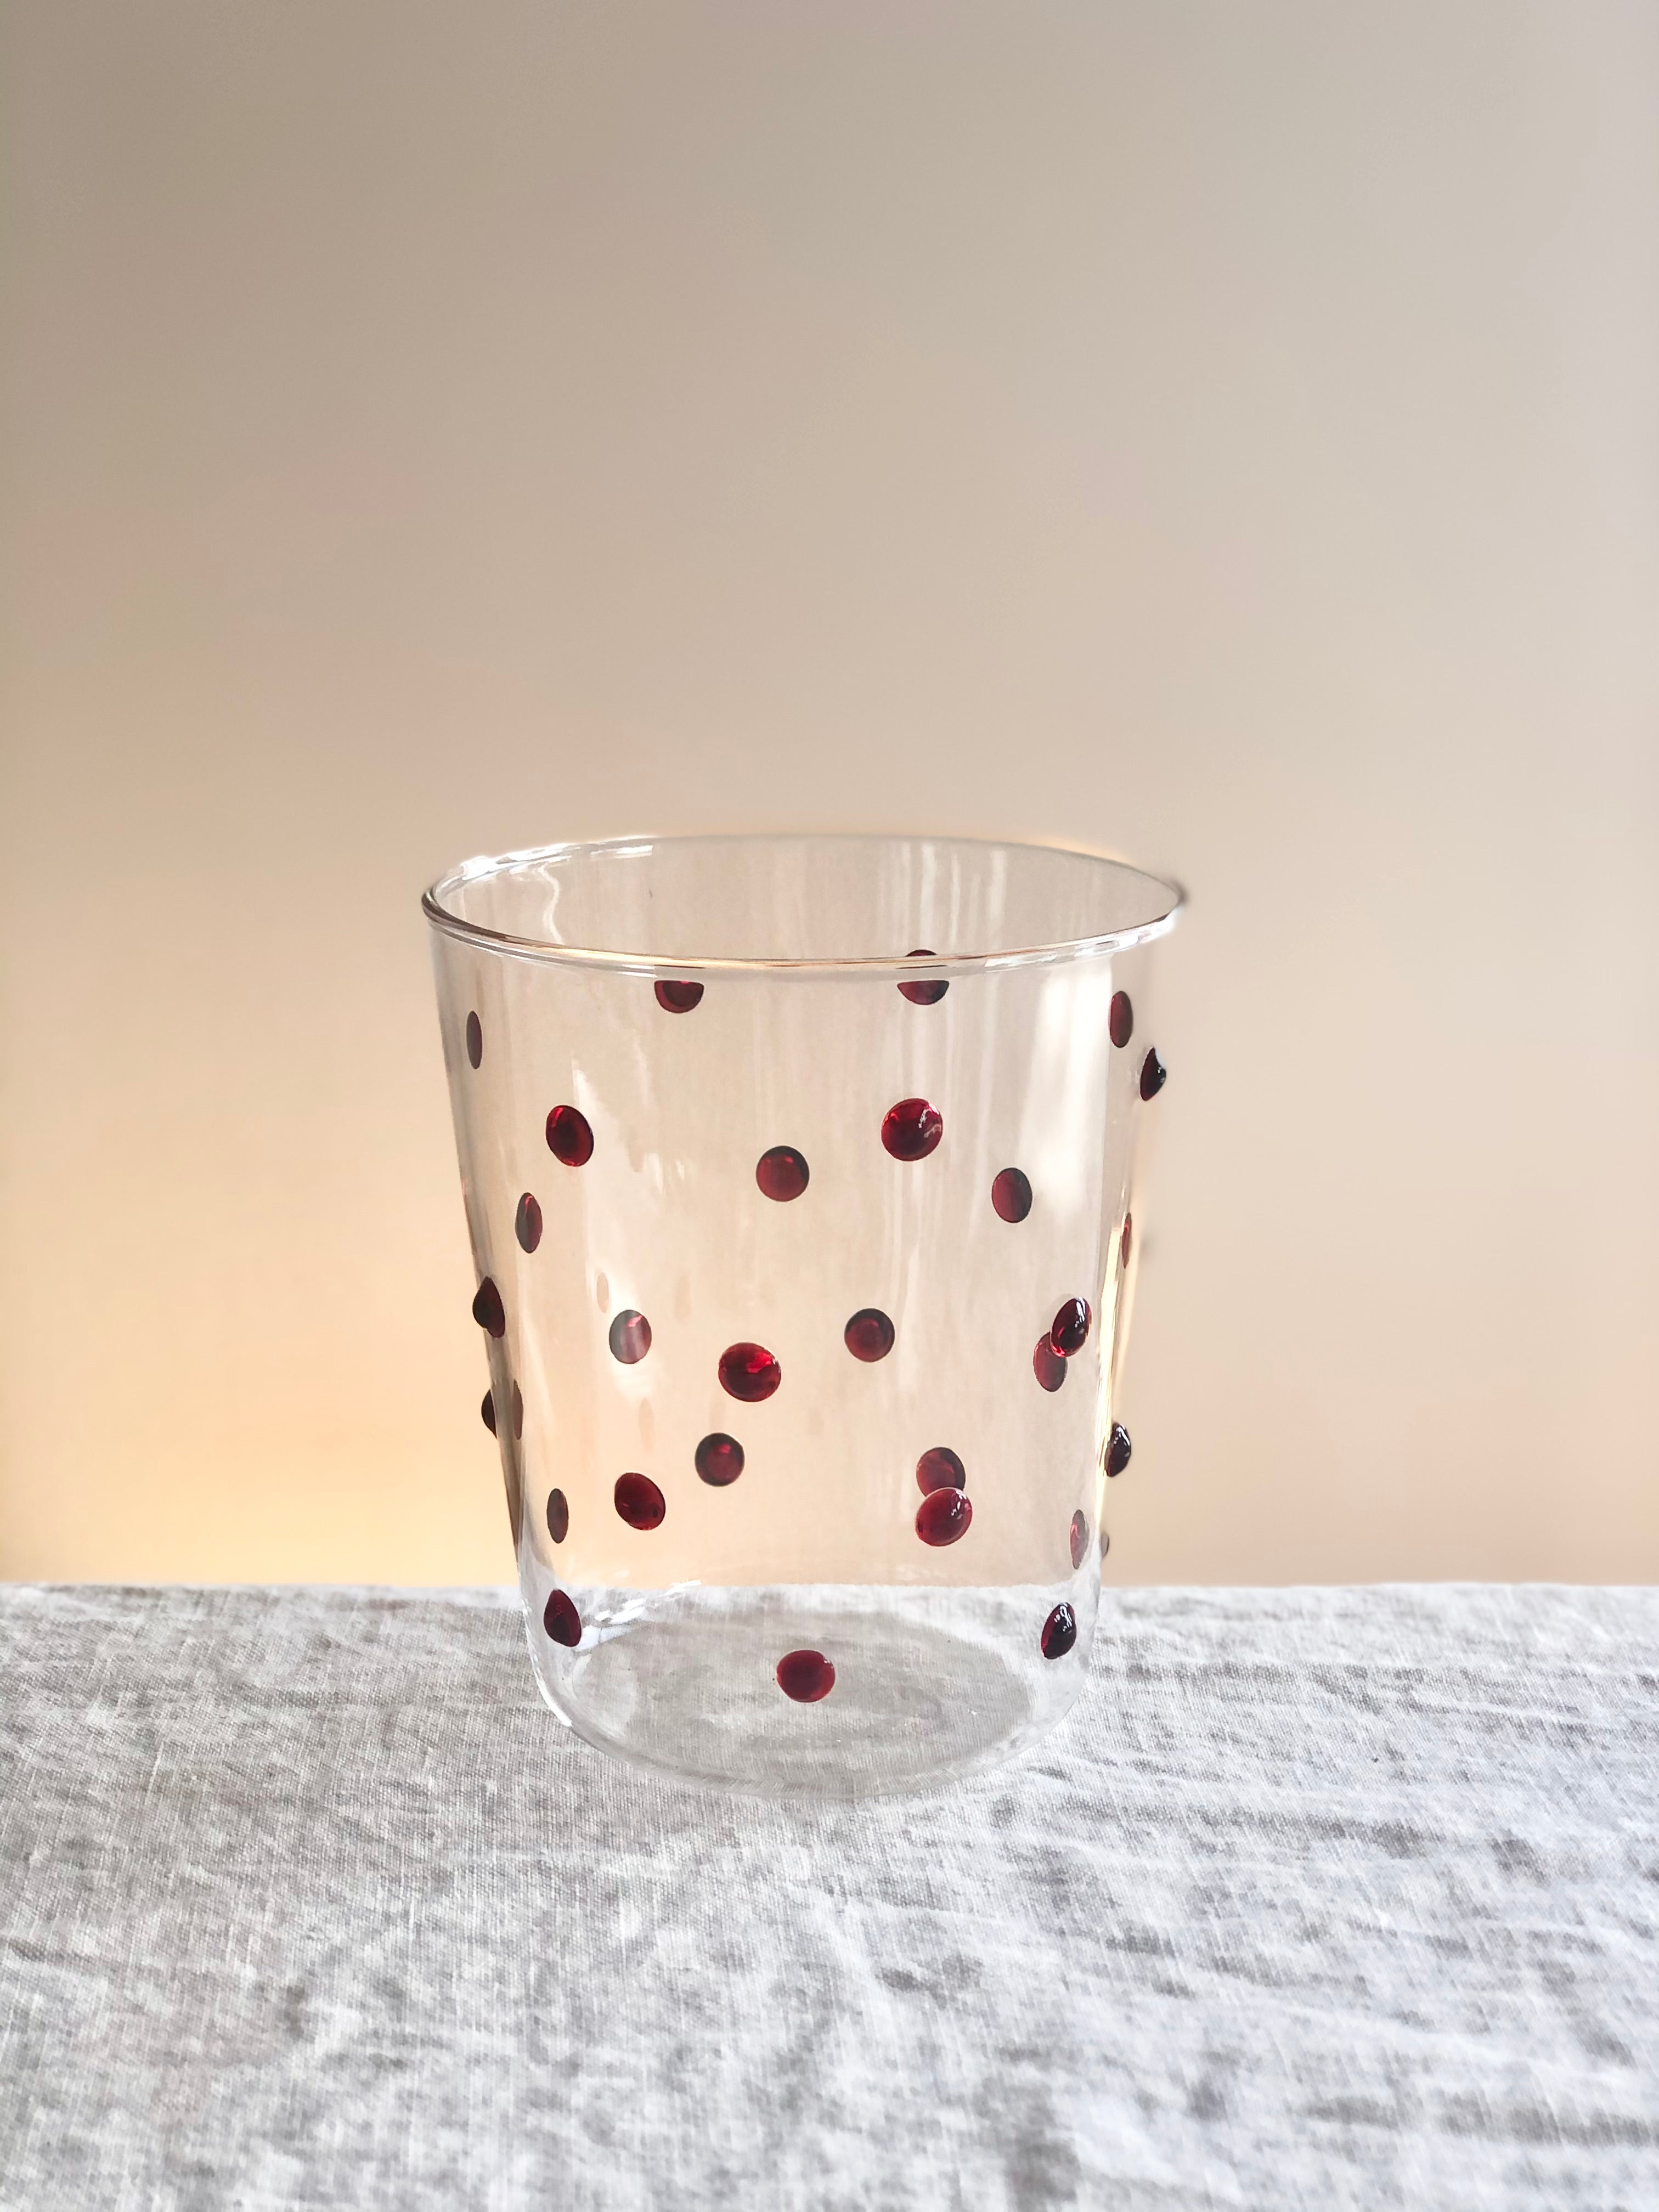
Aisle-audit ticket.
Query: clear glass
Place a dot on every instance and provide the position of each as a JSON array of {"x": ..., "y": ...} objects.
[{"x": 799, "y": 1178}]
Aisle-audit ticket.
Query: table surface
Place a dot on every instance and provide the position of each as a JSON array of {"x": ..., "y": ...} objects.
[{"x": 1320, "y": 1897}]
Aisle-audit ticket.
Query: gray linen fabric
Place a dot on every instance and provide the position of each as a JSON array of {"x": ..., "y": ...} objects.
[{"x": 1320, "y": 1898}]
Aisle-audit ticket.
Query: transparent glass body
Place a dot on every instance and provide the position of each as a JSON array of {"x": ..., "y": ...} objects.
[{"x": 798, "y": 1173}]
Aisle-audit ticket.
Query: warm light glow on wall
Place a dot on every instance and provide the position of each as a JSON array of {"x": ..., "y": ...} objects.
[{"x": 1226, "y": 438}]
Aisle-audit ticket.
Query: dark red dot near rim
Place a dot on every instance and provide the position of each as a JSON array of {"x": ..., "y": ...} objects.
[
  {"x": 474, "y": 1039},
  {"x": 630, "y": 1337},
  {"x": 749, "y": 1372},
  {"x": 1011, "y": 1195},
  {"x": 639, "y": 1501},
  {"x": 1080, "y": 1539},
  {"x": 678, "y": 997},
  {"x": 1153, "y": 1075},
  {"x": 1047, "y": 1365},
  {"x": 940, "y": 1469},
  {"x": 1058, "y": 1632},
  {"x": 561, "y": 1619},
  {"x": 719, "y": 1459},
  {"x": 558, "y": 1515},
  {"x": 1118, "y": 1450},
  {"x": 869, "y": 1334},
  {"x": 518, "y": 1411},
  {"x": 912, "y": 1129},
  {"x": 1126, "y": 1243},
  {"x": 569, "y": 1138},
  {"x": 487, "y": 1411},
  {"x": 782, "y": 1173},
  {"x": 924, "y": 991},
  {"x": 944, "y": 1515},
  {"x": 1069, "y": 1330},
  {"x": 1121, "y": 1021},
  {"x": 488, "y": 1310},
  {"x": 527, "y": 1222},
  {"x": 805, "y": 1676}
]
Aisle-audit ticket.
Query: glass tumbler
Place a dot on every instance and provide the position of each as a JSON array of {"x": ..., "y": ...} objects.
[{"x": 798, "y": 1172}]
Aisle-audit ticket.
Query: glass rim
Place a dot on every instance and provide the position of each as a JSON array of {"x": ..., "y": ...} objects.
[{"x": 884, "y": 966}]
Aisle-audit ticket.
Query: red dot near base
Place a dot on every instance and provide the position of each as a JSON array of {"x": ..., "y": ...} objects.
[
  {"x": 558, "y": 1515},
  {"x": 561, "y": 1619},
  {"x": 805, "y": 1676},
  {"x": 528, "y": 1222},
  {"x": 1058, "y": 1632},
  {"x": 488, "y": 1310}
]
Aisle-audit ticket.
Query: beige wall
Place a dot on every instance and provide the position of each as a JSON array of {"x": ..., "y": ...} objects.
[{"x": 1227, "y": 434}]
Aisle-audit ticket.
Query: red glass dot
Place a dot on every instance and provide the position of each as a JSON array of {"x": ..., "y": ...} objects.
[
  {"x": 561, "y": 1619},
  {"x": 639, "y": 1501},
  {"x": 1058, "y": 1632},
  {"x": 1126, "y": 1243},
  {"x": 750, "y": 1372},
  {"x": 869, "y": 1334},
  {"x": 518, "y": 1411},
  {"x": 514, "y": 1502},
  {"x": 1047, "y": 1365},
  {"x": 940, "y": 1469},
  {"x": 943, "y": 1515},
  {"x": 926, "y": 993},
  {"x": 805, "y": 1676},
  {"x": 1069, "y": 1331},
  {"x": 1121, "y": 1021},
  {"x": 678, "y": 997},
  {"x": 782, "y": 1173},
  {"x": 1011, "y": 1195},
  {"x": 474, "y": 1039},
  {"x": 1153, "y": 1076},
  {"x": 719, "y": 1459},
  {"x": 1080, "y": 1539},
  {"x": 1118, "y": 1449},
  {"x": 558, "y": 1515},
  {"x": 487, "y": 1411},
  {"x": 630, "y": 1337},
  {"x": 528, "y": 1222},
  {"x": 911, "y": 1129},
  {"x": 487, "y": 1309},
  {"x": 568, "y": 1136}
]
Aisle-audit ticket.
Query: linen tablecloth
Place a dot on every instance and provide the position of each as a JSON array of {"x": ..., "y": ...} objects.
[{"x": 1320, "y": 1898}]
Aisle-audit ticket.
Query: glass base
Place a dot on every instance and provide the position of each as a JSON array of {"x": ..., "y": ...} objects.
[{"x": 928, "y": 1684}]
